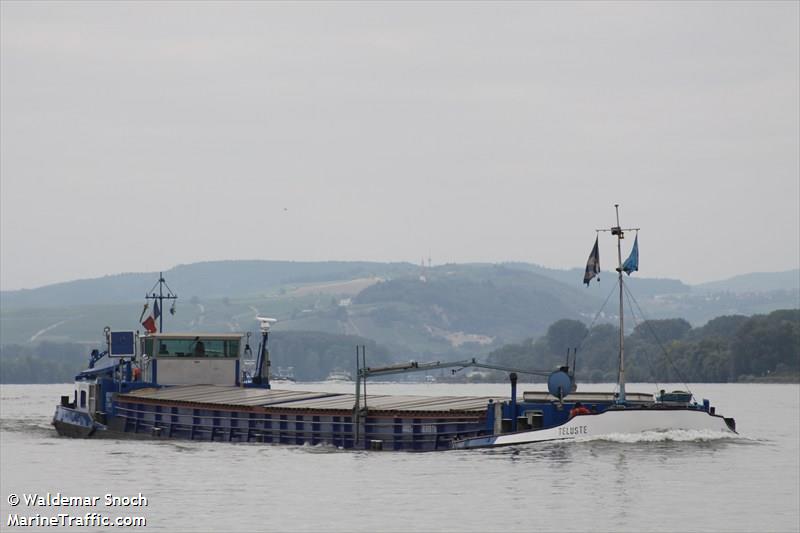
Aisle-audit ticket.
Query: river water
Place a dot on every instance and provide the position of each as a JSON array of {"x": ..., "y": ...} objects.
[{"x": 657, "y": 482}]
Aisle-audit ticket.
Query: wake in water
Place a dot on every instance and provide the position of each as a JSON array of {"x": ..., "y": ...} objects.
[
  {"x": 674, "y": 435},
  {"x": 564, "y": 450},
  {"x": 37, "y": 426}
]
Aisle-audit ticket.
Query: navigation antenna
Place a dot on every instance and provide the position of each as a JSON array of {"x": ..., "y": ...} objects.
[
  {"x": 160, "y": 296},
  {"x": 261, "y": 376}
]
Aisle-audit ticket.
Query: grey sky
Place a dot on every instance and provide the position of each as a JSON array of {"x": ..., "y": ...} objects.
[{"x": 136, "y": 136}]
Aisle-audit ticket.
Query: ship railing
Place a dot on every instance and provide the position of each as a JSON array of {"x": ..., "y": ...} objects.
[
  {"x": 279, "y": 433},
  {"x": 384, "y": 420},
  {"x": 347, "y": 429}
]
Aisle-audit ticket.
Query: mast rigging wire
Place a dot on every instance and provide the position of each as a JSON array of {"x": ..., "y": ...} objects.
[
  {"x": 648, "y": 358},
  {"x": 660, "y": 344}
]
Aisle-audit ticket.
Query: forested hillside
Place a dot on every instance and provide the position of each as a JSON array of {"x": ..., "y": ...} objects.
[{"x": 728, "y": 348}]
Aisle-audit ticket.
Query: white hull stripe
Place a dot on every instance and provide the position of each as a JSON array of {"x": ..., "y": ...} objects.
[{"x": 608, "y": 423}]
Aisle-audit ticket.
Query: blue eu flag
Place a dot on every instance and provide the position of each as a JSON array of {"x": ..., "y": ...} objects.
[{"x": 631, "y": 264}]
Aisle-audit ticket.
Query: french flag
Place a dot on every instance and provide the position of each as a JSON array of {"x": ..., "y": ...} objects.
[{"x": 150, "y": 322}]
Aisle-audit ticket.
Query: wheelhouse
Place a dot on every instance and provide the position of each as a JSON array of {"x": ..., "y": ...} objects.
[{"x": 192, "y": 358}]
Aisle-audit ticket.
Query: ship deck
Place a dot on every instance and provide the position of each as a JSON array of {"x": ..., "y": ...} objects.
[{"x": 239, "y": 398}]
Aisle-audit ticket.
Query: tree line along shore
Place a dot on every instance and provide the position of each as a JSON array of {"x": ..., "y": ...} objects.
[{"x": 734, "y": 348}]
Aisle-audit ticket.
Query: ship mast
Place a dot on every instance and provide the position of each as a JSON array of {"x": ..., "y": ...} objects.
[
  {"x": 160, "y": 296},
  {"x": 621, "y": 377},
  {"x": 619, "y": 232}
]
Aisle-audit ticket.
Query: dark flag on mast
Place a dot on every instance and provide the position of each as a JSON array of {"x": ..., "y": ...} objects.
[
  {"x": 631, "y": 264},
  {"x": 593, "y": 264}
]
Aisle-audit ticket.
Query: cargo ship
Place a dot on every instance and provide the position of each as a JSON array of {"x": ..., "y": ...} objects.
[{"x": 208, "y": 387}]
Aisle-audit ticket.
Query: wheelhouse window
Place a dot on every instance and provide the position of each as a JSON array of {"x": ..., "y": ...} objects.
[{"x": 197, "y": 347}]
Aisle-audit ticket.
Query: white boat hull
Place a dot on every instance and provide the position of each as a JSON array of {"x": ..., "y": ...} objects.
[{"x": 609, "y": 422}]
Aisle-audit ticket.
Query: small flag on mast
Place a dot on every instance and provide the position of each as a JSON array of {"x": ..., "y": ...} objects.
[
  {"x": 631, "y": 264},
  {"x": 593, "y": 264}
]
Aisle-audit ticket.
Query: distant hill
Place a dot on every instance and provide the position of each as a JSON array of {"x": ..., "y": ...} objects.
[
  {"x": 214, "y": 279},
  {"x": 574, "y": 278},
  {"x": 756, "y": 282},
  {"x": 441, "y": 311},
  {"x": 453, "y": 310}
]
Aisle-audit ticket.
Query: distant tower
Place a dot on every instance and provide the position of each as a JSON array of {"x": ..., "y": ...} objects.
[{"x": 422, "y": 277}]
